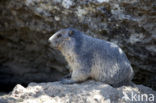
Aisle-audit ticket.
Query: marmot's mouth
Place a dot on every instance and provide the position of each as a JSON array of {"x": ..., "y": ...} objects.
[
  {"x": 51, "y": 46},
  {"x": 54, "y": 47}
]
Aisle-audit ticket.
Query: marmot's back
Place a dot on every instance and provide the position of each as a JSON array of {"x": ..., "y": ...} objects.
[
  {"x": 109, "y": 62},
  {"x": 93, "y": 58}
]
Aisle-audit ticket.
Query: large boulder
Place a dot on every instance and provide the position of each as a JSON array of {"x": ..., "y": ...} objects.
[
  {"x": 87, "y": 92},
  {"x": 26, "y": 25}
]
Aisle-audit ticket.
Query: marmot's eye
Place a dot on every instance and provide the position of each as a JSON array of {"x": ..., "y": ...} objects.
[{"x": 59, "y": 35}]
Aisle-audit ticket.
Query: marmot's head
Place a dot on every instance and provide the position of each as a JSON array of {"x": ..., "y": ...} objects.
[{"x": 63, "y": 39}]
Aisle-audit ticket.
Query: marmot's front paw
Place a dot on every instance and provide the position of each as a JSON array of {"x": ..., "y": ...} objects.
[
  {"x": 67, "y": 76},
  {"x": 67, "y": 81}
]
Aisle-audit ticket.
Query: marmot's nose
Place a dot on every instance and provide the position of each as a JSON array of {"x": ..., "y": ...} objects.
[{"x": 50, "y": 39}]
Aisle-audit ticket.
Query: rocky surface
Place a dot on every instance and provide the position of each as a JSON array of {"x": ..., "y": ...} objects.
[
  {"x": 87, "y": 92},
  {"x": 26, "y": 25}
]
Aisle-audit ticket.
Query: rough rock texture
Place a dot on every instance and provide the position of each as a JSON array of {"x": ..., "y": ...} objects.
[
  {"x": 25, "y": 26},
  {"x": 87, "y": 92}
]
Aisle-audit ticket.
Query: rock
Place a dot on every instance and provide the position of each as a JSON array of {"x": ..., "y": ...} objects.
[
  {"x": 26, "y": 26},
  {"x": 87, "y": 92}
]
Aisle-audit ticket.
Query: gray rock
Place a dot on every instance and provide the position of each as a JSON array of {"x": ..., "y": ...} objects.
[{"x": 87, "y": 92}]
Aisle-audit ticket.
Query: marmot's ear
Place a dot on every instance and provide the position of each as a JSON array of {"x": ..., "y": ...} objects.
[{"x": 71, "y": 33}]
